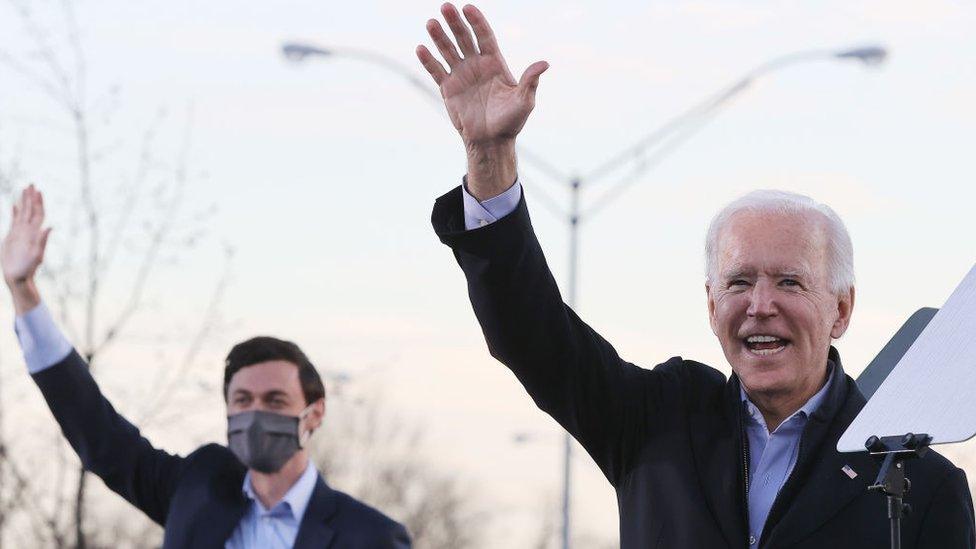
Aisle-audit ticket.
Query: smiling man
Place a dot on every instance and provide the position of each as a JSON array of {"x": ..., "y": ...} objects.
[
  {"x": 780, "y": 285},
  {"x": 260, "y": 492},
  {"x": 697, "y": 461}
]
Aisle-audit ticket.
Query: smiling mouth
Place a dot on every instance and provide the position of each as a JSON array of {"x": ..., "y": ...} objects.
[{"x": 765, "y": 345}]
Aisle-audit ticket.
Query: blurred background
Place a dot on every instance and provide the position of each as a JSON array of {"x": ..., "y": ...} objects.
[{"x": 204, "y": 188}]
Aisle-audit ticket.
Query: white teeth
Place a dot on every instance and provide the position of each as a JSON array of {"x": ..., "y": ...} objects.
[
  {"x": 767, "y": 352},
  {"x": 762, "y": 339}
]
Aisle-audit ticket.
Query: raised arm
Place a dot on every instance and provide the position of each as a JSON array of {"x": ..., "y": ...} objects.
[
  {"x": 571, "y": 372},
  {"x": 487, "y": 106},
  {"x": 106, "y": 443}
]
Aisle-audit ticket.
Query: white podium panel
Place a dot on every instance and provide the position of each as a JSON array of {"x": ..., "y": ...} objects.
[{"x": 932, "y": 389}]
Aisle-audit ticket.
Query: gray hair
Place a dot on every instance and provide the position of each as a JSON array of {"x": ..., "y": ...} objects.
[{"x": 840, "y": 251}]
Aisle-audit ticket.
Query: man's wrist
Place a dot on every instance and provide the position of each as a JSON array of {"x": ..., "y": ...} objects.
[
  {"x": 25, "y": 295},
  {"x": 491, "y": 168}
]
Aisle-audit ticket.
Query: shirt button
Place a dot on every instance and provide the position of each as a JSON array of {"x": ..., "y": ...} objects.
[
  {"x": 752, "y": 540},
  {"x": 482, "y": 222}
]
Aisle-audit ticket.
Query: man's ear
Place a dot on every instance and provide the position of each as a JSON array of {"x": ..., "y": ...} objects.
[
  {"x": 845, "y": 307},
  {"x": 711, "y": 308},
  {"x": 315, "y": 415}
]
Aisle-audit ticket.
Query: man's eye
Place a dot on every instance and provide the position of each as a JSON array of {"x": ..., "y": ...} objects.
[
  {"x": 738, "y": 282},
  {"x": 790, "y": 282}
]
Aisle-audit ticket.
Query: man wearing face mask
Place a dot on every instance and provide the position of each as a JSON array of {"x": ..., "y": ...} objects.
[{"x": 261, "y": 492}]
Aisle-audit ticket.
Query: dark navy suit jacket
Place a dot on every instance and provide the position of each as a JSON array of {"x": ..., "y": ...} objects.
[
  {"x": 197, "y": 498},
  {"x": 670, "y": 440}
]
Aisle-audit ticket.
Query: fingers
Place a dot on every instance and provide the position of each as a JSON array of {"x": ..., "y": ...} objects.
[
  {"x": 34, "y": 214},
  {"x": 40, "y": 205},
  {"x": 432, "y": 65},
  {"x": 37, "y": 214},
  {"x": 443, "y": 43},
  {"x": 42, "y": 243},
  {"x": 530, "y": 78},
  {"x": 460, "y": 30},
  {"x": 27, "y": 203},
  {"x": 29, "y": 209},
  {"x": 482, "y": 31}
]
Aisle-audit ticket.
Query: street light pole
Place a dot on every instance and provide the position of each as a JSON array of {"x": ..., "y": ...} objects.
[
  {"x": 666, "y": 138},
  {"x": 574, "y": 218}
]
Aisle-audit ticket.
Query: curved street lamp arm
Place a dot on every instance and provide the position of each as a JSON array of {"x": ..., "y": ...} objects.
[
  {"x": 299, "y": 52},
  {"x": 668, "y": 145},
  {"x": 869, "y": 55},
  {"x": 668, "y": 129}
]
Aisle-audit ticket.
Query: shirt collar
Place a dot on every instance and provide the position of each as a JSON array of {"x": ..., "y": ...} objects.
[
  {"x": 297, "y": 497},
  {"x": 805, "y": 411}
]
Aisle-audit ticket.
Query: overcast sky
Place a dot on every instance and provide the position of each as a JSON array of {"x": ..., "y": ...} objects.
[{"x": 323, "y": 175}]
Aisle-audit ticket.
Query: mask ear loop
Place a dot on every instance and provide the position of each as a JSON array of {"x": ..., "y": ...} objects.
[{"x": 304, "y": 436}]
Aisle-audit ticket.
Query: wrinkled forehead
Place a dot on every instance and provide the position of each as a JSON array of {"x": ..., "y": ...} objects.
[{"x": 774, "y": 243}]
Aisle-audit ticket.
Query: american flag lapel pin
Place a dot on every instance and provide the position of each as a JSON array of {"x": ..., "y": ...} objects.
[{"x": 848, "y": 471}]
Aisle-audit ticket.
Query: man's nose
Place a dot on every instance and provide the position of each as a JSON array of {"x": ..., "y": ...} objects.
[{"x": 762, "y": 300}]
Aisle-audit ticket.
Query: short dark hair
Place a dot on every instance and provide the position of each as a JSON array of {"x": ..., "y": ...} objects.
[{"x": 265, "y": 348}]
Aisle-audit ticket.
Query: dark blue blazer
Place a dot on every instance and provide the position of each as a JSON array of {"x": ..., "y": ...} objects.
[
  {"x": 197, "y": 498},
  {"x": 670, "y": 440}
]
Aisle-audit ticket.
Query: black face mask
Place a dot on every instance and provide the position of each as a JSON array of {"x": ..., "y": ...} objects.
[{"x": 264, "y": 441}]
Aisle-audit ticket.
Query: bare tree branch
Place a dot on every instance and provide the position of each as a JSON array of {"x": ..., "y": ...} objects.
[
  {"x": 207, "y": 325},
  {"x": 95, "y": 242}
]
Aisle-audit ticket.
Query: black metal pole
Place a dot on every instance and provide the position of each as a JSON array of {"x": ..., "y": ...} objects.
[
  {"x": 893, "y": 452},
  {"x": 895, "y": 508}
]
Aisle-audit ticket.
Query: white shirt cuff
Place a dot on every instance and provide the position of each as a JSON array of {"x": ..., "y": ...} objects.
[
  {"x": 41, "y": 341},
  {"x": 478, "y": 214}
]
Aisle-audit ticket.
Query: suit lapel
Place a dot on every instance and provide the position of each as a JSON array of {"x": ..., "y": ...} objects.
[
  {"x": 819, "y": 487},
  {"x": 826, "y": 491},
  {"x": 214, "y": 528},
  {"x": 717, "y": 447},
  {"x": 314, "y": 531}
]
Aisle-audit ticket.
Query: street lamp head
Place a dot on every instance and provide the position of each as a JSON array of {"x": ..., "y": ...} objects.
[
  {"x": 298, "y": 52},
  {"x": 870, "y": 55}
]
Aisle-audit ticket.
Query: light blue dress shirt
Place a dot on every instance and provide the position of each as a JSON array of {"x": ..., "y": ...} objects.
[
  {"x": 274, "y": 528},
  {"x": 772, "y": 456},
  {"x": 44, "y": 345},
  {"x": 41, "y": 341},
  {"x": 478, "y": 214}
]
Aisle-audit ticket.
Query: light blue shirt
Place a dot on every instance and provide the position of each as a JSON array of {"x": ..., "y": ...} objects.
[
  {"x": 274, "y": 528},
  {"x": 772, "y": 456},
  {"x": 478, "y": 214},
  {"x": 44, "y": 345},
  {"x": 41, "y": 341}
]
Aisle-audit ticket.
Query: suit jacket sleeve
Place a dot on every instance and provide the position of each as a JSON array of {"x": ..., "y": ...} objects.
[
  {"x": 399, "y": 538},
  {"x": 951, "y": 507},
  {"x": 569, "y": 370},
  {"x": 106, "y": 443}
]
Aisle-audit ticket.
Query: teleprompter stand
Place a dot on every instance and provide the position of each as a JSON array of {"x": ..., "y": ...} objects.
[
  {"x": 922, "y": 382},
  {"x": 893, "y": 452}
]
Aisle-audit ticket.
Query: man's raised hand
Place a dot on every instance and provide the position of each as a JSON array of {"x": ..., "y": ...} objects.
[
  {"x": 484, "y": 101},
  {"x": 23, "y": 248}
]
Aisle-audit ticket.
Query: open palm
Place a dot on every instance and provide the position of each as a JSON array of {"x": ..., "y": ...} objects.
[
  {"x": 483, "y": 99},
  {"x": 23, "y": 247}
]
